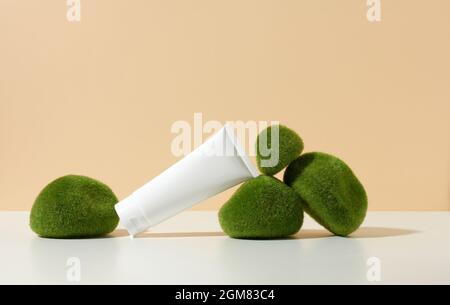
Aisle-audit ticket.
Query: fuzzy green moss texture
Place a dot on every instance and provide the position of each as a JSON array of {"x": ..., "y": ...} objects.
[
  {"x": 290, "y": 146},
  {"x": 74, "y": 207},
  {"x": 332, "y": 194},
  {"x": 262, "y": 208}
]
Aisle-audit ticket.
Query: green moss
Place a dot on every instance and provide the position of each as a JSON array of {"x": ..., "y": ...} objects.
[
  {"x": 332, "y": 194},
  {"x": 290, "y": 147},
  {"x": 262, "y": 208},
  {"x": 74, "y": 207}
]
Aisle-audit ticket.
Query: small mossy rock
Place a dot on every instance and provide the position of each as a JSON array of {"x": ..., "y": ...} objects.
[
  {"x": 331, "y": 193},
  {"x": 74, "y": 207},
  {"x": 262, "y": 208},
  {"x": 290, "y": 146}
]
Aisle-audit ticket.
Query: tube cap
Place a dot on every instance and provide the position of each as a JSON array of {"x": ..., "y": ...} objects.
[{"x": 131, "y": 216}]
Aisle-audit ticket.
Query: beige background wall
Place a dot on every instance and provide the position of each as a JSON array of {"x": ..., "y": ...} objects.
[{"x": 98, "y": 97}]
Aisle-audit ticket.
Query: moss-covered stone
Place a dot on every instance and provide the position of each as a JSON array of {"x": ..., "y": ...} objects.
[
  {"x": 262, "y": 208},
  {"x": 74, "y": 207},
  {"x": 290, "y": 146},
  {"x": 331, "y": 193}
]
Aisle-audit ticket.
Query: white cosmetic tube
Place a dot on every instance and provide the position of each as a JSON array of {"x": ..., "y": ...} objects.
[{"x": 215, "y": 166}]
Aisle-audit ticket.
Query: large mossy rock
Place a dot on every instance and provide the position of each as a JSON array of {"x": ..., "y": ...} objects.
[
  {"x": 262, "y": 208},
  {"x": 74, "y": 207},
  {"x": 332, "y": 194}
]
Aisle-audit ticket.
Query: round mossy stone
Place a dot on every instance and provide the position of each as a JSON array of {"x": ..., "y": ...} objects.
[
  {"x": 262, "y": 208},
  {"x": 331, "y": 193},
  {"x": 290, "y": 146},
  {"x": 74, "y": 207}
]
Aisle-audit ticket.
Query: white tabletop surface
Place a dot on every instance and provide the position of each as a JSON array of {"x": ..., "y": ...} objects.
[{"x": 409, "y": 248}]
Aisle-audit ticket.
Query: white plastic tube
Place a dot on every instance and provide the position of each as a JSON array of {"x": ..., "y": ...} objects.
[{"x": 215, "y": 166}]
